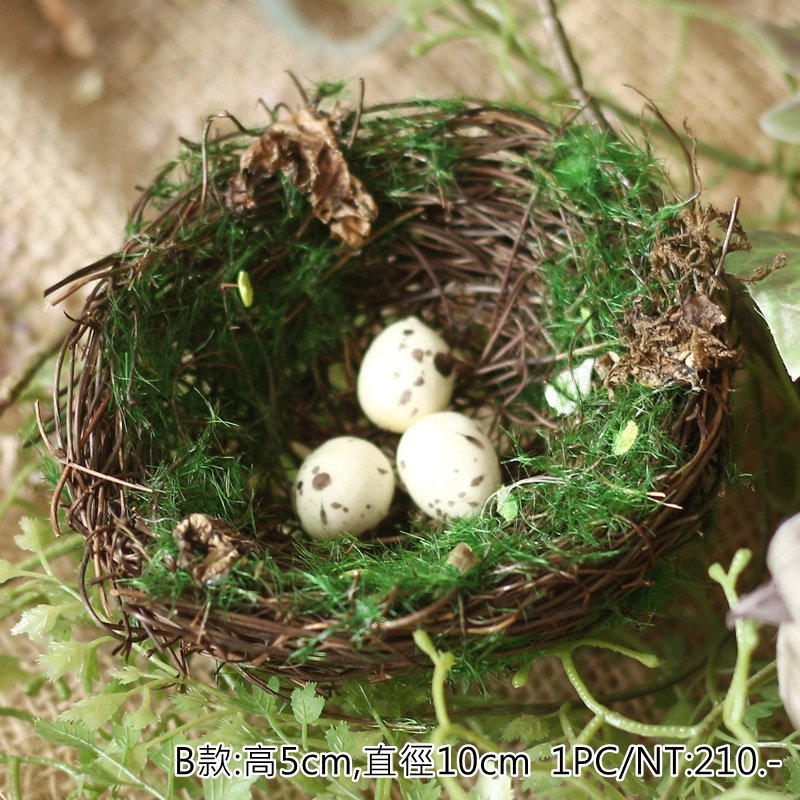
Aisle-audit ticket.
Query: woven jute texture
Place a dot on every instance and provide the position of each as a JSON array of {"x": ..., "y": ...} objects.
[{"x": 78, "y": 134}]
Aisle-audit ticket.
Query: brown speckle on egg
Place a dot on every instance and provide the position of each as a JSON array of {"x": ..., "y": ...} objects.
[
  {"x": 338, "y": 481},
  {"x": 399, "y": 358},
  {"x": 444, "y": 364},
  {"x": 449, "y": 465},
  {"x": 321, "y": 480}
]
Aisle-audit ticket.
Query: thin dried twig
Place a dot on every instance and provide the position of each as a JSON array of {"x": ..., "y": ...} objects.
[{"x": 567, "y": 65}]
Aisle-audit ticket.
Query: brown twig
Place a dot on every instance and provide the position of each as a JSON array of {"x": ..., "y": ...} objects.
[{"x": 566, "y": 64}]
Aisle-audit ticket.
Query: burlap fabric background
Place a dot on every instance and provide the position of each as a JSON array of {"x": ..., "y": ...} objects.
[{"x": 78, "y": 133}]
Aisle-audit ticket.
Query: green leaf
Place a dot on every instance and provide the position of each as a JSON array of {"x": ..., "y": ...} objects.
[
  {"x": 9, "y": 571},
  {"x": 507, "y": 503},
  {"x": 307, "y": 705},
  {"x": 679, "y": 711},
  {"x": 540, "y": 782},
  {"x": 340, "y": 738},
  {"x": 75, "y": 658},
  {"x": 123, "y": 739},
  {"x": 67, "y": 734},
  {"x": 143, "y": 717},
  {"x": 526, "y": 729},
  {"x": 782, "y": 121},
  {"x": 127, "y": 674},
  {"x": 224, "y": 788},
  {"x": 245, "y": 288},
  {"x": 38, "y": 621},
  {"x": 257, "y": 701},
  {"x": 759, "y": 711},
  {"x": 94, "y": 758},
  {"x": 625, "y": 438},
  {"x": 95, "y": 710},
  {"x": 231, "y": 729},
  {"x": 778, "y": 294},
  {"x": 35, "y": 536},
  {"x": 791, "y": 772},
  {"x": 190, "y": 704},
  {"x": 337, "y": 377},
  {"x": 419, "y": 790}
]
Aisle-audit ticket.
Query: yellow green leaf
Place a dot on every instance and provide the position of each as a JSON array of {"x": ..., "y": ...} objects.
[
  {"x": 37, "y": 621},
  {"x": 36, "y": 534},
  {"x": 625, "y": 438},
  {"x": 245, "y": 287}
]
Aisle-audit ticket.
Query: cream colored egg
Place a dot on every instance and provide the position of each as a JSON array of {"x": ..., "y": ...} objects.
[
  {"x": 407, "y": 373},
  {"x": 447, "y": 465},
  {"x": 344, "y": 486}
]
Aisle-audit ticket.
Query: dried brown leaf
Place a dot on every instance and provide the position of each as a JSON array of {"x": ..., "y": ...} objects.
[
  {"x": 674, "y": 348},
  {"x": 700, "y": 312},
  {"x": 677, "y": 345},
  {"x": 305, "y": 148},
  {"x": 208, "y": 547}
]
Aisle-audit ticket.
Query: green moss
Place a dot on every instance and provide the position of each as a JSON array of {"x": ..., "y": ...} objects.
[{"x": 210, "y": 389}]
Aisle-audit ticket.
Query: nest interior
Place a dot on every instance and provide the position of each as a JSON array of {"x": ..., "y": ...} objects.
[{"x": 529, "y": 248}]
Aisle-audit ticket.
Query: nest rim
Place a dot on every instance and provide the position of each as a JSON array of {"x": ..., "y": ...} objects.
[{"x": 557, "y": 606}]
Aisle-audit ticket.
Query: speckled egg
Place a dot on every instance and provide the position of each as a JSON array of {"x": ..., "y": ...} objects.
[
  {"x": 407, "y": 373},
  {"x": 344, "y": 486},
  {"x": 447, "y": 465}
]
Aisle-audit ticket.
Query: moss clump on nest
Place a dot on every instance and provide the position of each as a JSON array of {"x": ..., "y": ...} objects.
[{"x": 529, "y": 248}]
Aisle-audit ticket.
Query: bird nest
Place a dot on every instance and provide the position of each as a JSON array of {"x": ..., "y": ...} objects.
[{"x": 223, "y": 341}]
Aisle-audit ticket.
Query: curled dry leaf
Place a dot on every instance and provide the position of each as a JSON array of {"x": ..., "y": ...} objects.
[
  {"x": 208, "y": 547},
  {"x": 463, "y": 558},
  {"x": 305, "y": 148},
  {"x": 675, "y": 347},
  {"x": 680, "y": 343}
]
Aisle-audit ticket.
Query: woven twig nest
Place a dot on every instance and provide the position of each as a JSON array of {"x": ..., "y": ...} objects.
[{"x": 223, "y": 340}]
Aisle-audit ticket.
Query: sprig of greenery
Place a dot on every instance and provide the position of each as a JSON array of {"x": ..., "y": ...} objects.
[{"x": 124, "y": 731}]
